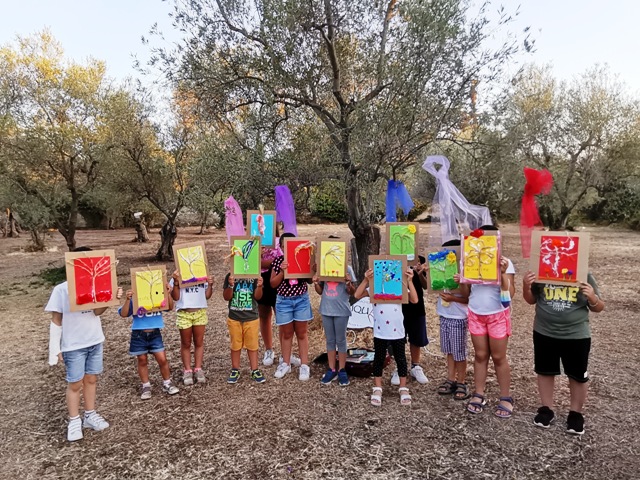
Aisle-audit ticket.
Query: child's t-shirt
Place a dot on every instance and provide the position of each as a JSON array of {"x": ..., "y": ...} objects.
[
  {"x": 289, "y": 287},
  {"x": 454, "y": 310},
  {"x": 485, "y": 299},
  {"x": 243, "y": 306},
  {"x": 79, "y": 329},
  {"x": 415, "y": 310},
  {"x": 388, "y": 321},
  {"x": 193, "y": 296},
  {"x": 148, "y": 321},
  {"x": 335, "y": 299}
]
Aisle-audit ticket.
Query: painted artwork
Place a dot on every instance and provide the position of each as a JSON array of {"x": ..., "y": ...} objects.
[
  {"x": 191, "y": 263},
  {"x": 92, "y": 279},
  {"x": 443, "y": 265},
  {"x": 481, "y": 257},
  {"x": 332, "y": 260},
  {"x": 245, "y": 257},
  {"x": 262, "y": 225},
  {"x": 299, "y": 253},
  {"x": 149, "y": 289},
  {"x": 402, "y": 239},
  {"x": 389, "y": 284},
  {"x": 560, "y": 257}
]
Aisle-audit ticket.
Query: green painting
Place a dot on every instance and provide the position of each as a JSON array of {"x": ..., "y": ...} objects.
[
  {"x": 245, "y": 252},
  {"x": 443, "y": 266},
  {"x": 402, "y": 238}
]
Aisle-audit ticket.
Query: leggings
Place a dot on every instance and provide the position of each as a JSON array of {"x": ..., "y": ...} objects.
[
  {"x": 380, "y": 345},
  {"x": 335, "y": 329}
]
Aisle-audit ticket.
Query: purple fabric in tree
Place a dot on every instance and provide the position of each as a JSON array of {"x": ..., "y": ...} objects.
[
  {"x": 397, "y": 197},
  {"x": 286, "y": 209},
  {"x": 233, "y": 223}
]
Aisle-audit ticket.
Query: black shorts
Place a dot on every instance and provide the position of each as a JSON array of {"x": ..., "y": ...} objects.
[
  {"x": 574, "y": 353},
  {"x": 268, "y": 293},
  {"x": 416, "y": 330}
]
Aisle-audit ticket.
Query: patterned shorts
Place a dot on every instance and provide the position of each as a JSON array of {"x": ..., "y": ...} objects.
[
  {"x": 191, "y": 319},
  {"x": 453, "y": 337}
]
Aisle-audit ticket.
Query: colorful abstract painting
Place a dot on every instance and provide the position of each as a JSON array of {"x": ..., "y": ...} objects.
[
  {"x": 191, "y": 263},
  {"x": 263, "y": 225},
  {"x": 92, "y": 279},
  {"x": 149, "y": 289},
  {"x": 443, "y": 265},
  {"x": 481, "y": 257},
  {"x": 402, "y": 239},
  {"x": 560, "y": 257},
  {"x": 299, "y": 253},
  {"x": 389, "y": 280},
  {"x": 245, "y": 255},
  {"x": 332, "y": 260}
]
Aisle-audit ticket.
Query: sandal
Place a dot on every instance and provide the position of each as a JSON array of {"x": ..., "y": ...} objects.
[
  {"x": 475, "y": 406},
  {"x": 462, "y": 392},
  {"x": 405, "y": 398},
  {"x": 376, "y": 396},
  {"x": 447, "y": 388},
  {"x": 504, "y": 412}
]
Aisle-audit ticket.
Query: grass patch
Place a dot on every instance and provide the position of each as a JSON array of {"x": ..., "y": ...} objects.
[{"x": 54, "y": 276}]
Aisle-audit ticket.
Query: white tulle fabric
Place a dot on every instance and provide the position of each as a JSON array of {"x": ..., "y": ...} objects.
[{"x": 450, "y": 209}]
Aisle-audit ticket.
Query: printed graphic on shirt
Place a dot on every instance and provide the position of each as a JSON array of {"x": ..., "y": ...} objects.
[
  {"x": 242, "y": 296},
  {"x": 194, "y": 288},
  {"x": 560, "y": 297},
  {"x": 332, "y": 289}
]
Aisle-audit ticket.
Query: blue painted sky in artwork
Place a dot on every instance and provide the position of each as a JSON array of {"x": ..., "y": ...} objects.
[
  {"x": 394, "y": 269},
  {"x": 268, "y": 239}
]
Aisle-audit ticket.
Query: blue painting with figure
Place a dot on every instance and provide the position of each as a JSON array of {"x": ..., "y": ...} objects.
[
  {"x": 388, "y": 280},
  {"x": 263, "y": 225}
]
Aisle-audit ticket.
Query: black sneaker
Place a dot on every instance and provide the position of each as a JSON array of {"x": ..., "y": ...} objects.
[
  {"x": 575, "y": 423},
  {"x": 544, "y": 418}
]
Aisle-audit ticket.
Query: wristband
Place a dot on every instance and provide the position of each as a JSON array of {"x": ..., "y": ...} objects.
[{"x": 593, "y": 305}]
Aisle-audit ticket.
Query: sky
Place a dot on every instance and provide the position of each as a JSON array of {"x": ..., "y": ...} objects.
[{"x": 571, "y": 35}]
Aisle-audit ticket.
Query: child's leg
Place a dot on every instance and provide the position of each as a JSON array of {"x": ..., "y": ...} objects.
[
  {"x": 330, "y": 335},
  {"x": 400, "y": 357},
  {"x": 264, "y": 311},
  {"x": 253, "y": 359},
  {"x": 415, "y": 354},
  {"x": 498, "y": 349},
  {"x": 451, "y": 368},
  {"x": 89, "y": 386},
  {"x": 73, "y": 398},
  {"x": 380, "y": 348},
  {"x": 143, "y": 368},
  {"x": 300, "y": 329},
  {"x": 235, "y": 359},
  {"x": 286, "y": 340},
  {"x": 481, "y": 361},
  {"x": 186, "y": 336},
  {"x": 198, "y": 342},
  {"x": 163, "y": 363},
  {"x": 250, "y": 341},
  {"x": 341, "y": 340},
  {"x": 578, "y": 392},
  {"x": 546, "y": 385},
  {"x": 460, "y": 371}
]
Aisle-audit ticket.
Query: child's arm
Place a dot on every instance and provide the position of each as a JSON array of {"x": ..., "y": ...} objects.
[
  {"x": 227, "y": 293},
  {"x": 55, "y": 338},
  {"x": 276, "y": 278},
  {"x": 361, "y": 291},
  {"x": 317, "y": 285},
  {"x": 209, "y": 290},
  {"x": 125, "y": 311},
  {"x": 507, "y": 279},
  {"x": 413, "y": 295},
  {"x": 258, "y": 293},
  {"x": 594, "y": 302},
  {"x": 527, "y": 283},
  {"x": 463, "y": 288},
  {"x": 450, "y": 297},
  {"x": 349, "y": 284},
  {"x": 175, "y": 291},
  {"x": 170, "y": 304},
  {"x": 421, "y": 271}
]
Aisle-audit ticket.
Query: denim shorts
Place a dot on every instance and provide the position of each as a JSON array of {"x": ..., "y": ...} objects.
[
  {"x": 289, "y": 309},
  {"x": 83, "y": 361},
  {"x": 146, "y": 342}
]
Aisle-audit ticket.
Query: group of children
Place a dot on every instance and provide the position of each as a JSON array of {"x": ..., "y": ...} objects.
[{"x": 480, "y": 310}]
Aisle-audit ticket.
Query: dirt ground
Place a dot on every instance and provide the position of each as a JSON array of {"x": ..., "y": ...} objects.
[{"x": 289, "y": 429}]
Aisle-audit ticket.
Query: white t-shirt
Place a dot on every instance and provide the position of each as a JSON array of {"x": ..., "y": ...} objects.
[
  {"x": 485, "y": 299},
  {"x": 192, "y": 297},
  {"x": 79, "y": 329},
  {"x": 388, "y": 321},
  {"x": 454, "y": 310}
]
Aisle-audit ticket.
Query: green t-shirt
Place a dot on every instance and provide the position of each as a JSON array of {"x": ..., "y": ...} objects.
[
  {"x": 562, "y": 310},
  {"x": 242, "y": 306}
]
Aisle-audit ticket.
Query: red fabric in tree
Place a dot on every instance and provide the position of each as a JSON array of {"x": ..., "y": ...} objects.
[{"x": 537, "y": 182}]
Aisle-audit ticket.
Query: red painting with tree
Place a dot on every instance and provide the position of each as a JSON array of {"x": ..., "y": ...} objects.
[
  {"x": 558, "y": 258},
  {"x": 93, "y": 280}
]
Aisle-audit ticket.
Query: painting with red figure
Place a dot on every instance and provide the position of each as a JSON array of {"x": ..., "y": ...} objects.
[
  {"x": 93, "y": 280},
  {"x": 560, "y": 257},
  {"x": 299, "y": 253}
]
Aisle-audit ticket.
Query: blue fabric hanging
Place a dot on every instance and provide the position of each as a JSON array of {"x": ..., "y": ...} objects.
[{"x": 397, "y": 197}]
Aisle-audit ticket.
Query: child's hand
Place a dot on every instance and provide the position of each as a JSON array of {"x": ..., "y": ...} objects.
[
  {"x": 409, "y": 273},
  {"x": 169, "y": 288},
  {"x": 369, "y": 275},
  {"x": 176, "y": 277},
  {"x": 232, "y": 281},
  {"x": 529, "y": 279},
  {"x": 588, "y": 291},
  {"x": 347, "y": 277},
  {"x": 315, "y": 280},
  {"x": 284, "y": 265},
  {"x": 504, "y": 264},
  {"x": 210, "y": 280},
  {"x": 129, "y": 294},
  {"x": 447, "y": 297},
  {"x": 260, "y": 282}
]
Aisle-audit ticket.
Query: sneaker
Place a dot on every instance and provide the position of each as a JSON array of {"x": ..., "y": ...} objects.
[
  {"x": 343, "y": 378},
  {"x": 146, "y": 392},
  {"x": 418, "y": 374},
  {"x": 233, "y": 376},
  {"x": 257, "y": 376},
  {"x": 544, "y": 418},
  {"x": 304, "y": 373},
  {"x": 329, "y": 377},
  {"x": 575, "y": 423},
  {"x": 74, "y": 429},
  {"x": 293, "y": 361},
  {"x": 94, "y": 421},
  {"x": 187, "y": 377},
  {"x": 200, "y": 378},
  {"x": 282, "y": 370},
  {"x": 267, "y": 360},
  {"x": 395, "y": 378},
  {"x": 169, "y": 388}
]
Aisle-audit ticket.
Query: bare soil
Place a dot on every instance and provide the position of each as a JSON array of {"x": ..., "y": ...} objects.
[{"x": 288, "y": 429}]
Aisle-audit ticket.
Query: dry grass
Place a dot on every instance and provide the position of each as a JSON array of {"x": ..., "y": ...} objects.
[{"x": 286, "y": 429}]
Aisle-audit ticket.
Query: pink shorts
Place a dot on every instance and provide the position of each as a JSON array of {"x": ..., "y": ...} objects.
[{"x": 496, "y": 325}]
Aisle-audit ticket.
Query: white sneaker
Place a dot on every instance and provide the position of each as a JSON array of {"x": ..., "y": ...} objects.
[
  {"x": 267, "y": 360},
  {"x": 293, "y": 361},
  {"x": 418, "y": 374},
  {"x": 304, "y": 373},
  {"x": 94, "y": 421},
  {"x": 282, "y": 370},
  {"x": 395, "y": 379},
  {"x": 74, "y": 430}
]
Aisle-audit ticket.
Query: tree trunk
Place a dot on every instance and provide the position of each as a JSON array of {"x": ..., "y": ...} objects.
[
  {"x": 68, "y": 231},
  {"x": 203, "y": 222},
  {"x": 168, "y": 234},
  {"x": 11, "y": 229},
  {"x": 37, "y": 239},
  {"x": 142, "y": 236},
  {"x": 361, "y": 247}
]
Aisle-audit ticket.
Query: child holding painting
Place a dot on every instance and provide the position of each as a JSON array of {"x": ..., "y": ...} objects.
[
  {"x": 267, "y": 303},
  {"x": 146, "y": 338},
  {"x": 191, "y": 308},
  {"x": 452, "y": 309},
  {"x": 388, "y": 330},
  {"x": 243, "y": 323},
  {"x": 490, "y": 328},
  {"x": 293, "y": 313}
]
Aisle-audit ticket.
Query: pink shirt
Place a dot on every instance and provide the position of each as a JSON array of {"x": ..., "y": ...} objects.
[{"x": 271, "y": 254}]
